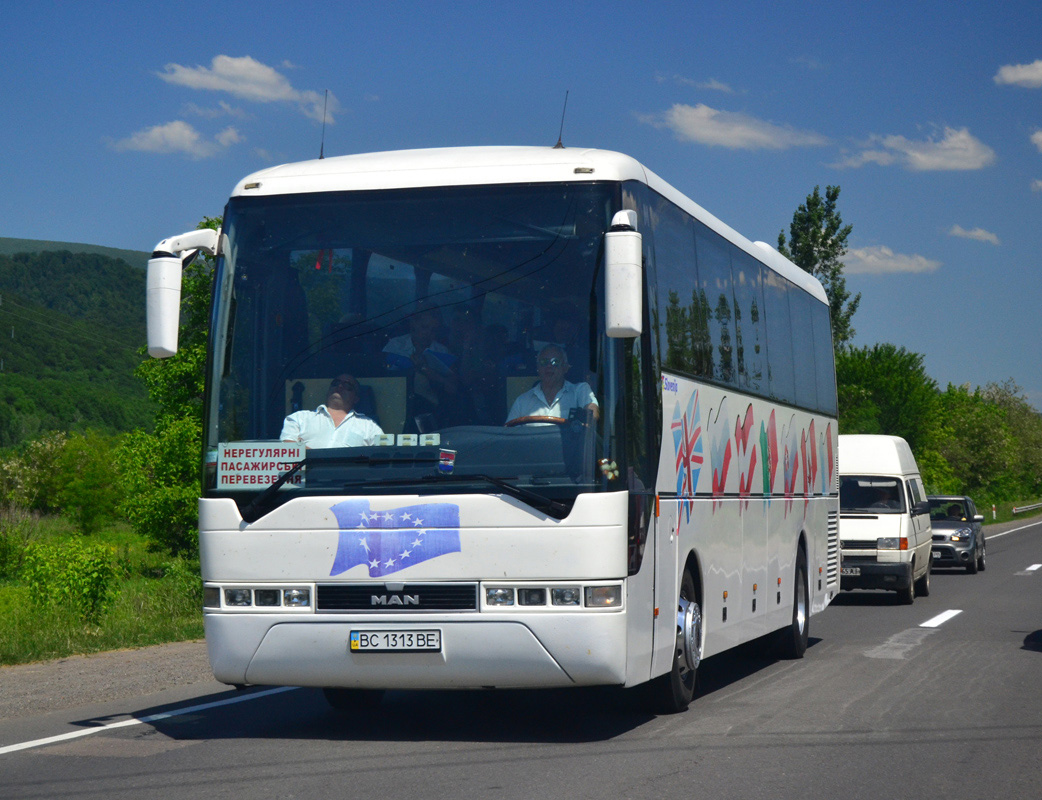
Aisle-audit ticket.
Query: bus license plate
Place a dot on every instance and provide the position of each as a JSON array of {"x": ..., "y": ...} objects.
[
  {"x": 854, "y": 571},
  {"x": 396, "y": 641}
]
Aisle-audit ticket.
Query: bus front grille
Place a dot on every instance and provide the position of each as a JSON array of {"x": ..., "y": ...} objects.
[{"x": 396, "y": 598}]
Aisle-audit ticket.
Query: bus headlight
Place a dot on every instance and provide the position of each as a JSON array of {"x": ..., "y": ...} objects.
[
  {"x": 238, "y": 597},
  {"x": 567, "y": 596},
  {"x": 531, "y": 597},
  {"x": 296, "y": 598},
  {"x": 499, "y": 596},
  {"x": 267, "y": 597}
]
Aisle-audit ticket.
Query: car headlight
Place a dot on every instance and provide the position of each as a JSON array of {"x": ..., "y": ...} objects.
[{"x": 962, "y": 535}]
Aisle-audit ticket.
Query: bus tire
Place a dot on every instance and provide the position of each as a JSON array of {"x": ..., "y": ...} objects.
[
  {"x": 792, "y": 639},
  {"x": 673, "y": 692},
  {"x": 352, "y": 701}
]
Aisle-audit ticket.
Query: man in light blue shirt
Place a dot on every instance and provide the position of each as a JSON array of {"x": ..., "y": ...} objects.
[
  {"x": 553, "y": 398},
  {"x": 334, "y": 424}
]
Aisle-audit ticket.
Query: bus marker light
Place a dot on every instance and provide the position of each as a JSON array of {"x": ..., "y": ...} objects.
[
  {"x": 211, "y": 597},
  {"x": 603, "y": 596}
]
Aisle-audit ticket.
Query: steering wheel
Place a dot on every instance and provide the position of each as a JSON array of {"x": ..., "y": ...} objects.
[{"x": 534, "y": 419}]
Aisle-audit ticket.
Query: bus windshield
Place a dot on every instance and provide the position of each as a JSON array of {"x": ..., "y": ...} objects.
[{"x": 451, "y": 338}]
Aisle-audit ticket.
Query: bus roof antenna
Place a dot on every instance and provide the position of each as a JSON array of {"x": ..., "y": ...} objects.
[
  {"x": 560, "y": 144},
  {"x": 322, "y": 145}
]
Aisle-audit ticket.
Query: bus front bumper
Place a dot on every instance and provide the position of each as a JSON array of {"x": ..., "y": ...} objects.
[{"x": 553, "y": 651}]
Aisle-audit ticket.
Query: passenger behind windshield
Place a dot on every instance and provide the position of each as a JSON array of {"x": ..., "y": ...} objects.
[
  {"x": 553, "y": 399},
  {"x": 335, "y": 423},
  {"x": 429, "y": 367}
]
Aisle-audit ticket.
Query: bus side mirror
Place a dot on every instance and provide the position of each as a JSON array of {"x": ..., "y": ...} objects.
[
  {"x": 163, "y": 287},
  {"x": 163, "y": 304},
  {"x": 623, "y": 298}
]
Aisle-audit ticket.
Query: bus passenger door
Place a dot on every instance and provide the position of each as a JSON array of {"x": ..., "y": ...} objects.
[{"x": 667, "y": 585}]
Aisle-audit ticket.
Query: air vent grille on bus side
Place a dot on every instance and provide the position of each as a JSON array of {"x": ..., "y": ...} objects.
[{"x": 832, "y": 563}]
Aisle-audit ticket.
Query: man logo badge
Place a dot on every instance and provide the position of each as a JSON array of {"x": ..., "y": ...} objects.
[{"x": 394, "y": 600}]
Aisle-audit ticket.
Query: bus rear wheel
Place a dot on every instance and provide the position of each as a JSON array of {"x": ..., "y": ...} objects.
[{"x": 673, "y": 692}]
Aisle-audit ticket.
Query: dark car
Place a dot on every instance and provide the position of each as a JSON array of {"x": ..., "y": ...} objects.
[{"x": 958, "y": 535}]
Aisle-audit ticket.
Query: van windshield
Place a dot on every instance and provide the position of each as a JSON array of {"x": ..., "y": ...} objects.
[{"x": 871, "y": 494}]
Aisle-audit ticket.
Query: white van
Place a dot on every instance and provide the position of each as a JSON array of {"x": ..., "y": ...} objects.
[{"x": 884, "y": 517}]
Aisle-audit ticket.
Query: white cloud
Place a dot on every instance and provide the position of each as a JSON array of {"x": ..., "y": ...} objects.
[
  {"x": 248, "y": 79},
  {"x": 177, "y": 137},
  {"x": 712, "y": 84},
  {"x": 1036, "y": 139},
  {"x": 223, "y": 110},
  {"x": 1027, "y": 75},
  {"x": 977, "y": 234},
  {"x": 957, "y": 150},
  {"x": 705, "y": 125},
  {"x": 1036, "y": 185},
  {"x": 880, "y": 260}
]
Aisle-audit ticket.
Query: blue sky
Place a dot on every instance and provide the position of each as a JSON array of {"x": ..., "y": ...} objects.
[{"x": 125, "y": 123}]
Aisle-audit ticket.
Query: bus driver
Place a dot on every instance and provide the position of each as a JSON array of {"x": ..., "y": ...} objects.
[
  {"x": 553, "y": 396},
  {"x": 335, "y": 423}
]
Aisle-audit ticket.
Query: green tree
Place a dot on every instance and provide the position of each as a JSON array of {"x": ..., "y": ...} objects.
[
  {"x": 817, "y": 243},
  {"x": 87, "y": 491},
  {"x": 976, "y": 443},
  {"x": 159, "y": 472},
  {"x": 885, "y": 389}
]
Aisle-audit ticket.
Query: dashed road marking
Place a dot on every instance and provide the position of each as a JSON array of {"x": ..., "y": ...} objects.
[{"x": 940, "y": 619}]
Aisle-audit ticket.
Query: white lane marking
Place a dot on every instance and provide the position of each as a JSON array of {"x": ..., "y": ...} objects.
[
  {"x": 11, "y": 748},
  {"x": 1033, "y": 567},
  {"x": 940, "y": 619},
  {"x": 1007, "y": 533}
]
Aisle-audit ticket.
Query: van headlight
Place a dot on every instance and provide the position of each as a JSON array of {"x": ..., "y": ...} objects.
[{"x": 888, "y": 543}]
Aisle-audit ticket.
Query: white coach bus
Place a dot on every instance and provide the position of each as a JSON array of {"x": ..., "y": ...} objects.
[{"x": 552, "y": 424}]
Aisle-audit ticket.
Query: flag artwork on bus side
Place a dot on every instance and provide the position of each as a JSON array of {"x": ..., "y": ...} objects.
[
  {"x": 709, "y": 440},
  {"x": 390, "y": 540}
]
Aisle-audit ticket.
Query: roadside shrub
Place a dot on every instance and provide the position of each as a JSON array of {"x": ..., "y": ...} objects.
[
  {"x": 31, "y": 477},
  {"x": 73, "y": 574},
  {"x": 182, "y": 586},
  {"x": 18, "y": 528}
]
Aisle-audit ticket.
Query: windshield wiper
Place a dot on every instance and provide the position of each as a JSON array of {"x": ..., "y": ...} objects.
[
  {"x": 549, "y": 506},
  {"x": 257, "y": 507}
]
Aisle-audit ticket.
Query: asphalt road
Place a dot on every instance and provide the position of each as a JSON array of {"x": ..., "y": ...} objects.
[{"x": 890, "y": 701}]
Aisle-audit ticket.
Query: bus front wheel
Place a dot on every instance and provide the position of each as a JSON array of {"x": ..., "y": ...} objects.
[
  {"x": 791, "y": 640},
  {"x": 674, "y": 691}
]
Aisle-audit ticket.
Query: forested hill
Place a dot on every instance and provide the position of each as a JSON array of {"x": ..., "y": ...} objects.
[
  {"x": 8, "y": 247},
  {"x": 71, "y": 327}
]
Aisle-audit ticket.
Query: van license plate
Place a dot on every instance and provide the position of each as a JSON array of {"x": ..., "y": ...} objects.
[
  {"x": 415, "y": 641},
  {"x": 853, "y": 571}
]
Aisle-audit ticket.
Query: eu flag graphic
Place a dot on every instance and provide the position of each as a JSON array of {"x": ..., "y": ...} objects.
[{"x": 391, "y": 540}]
